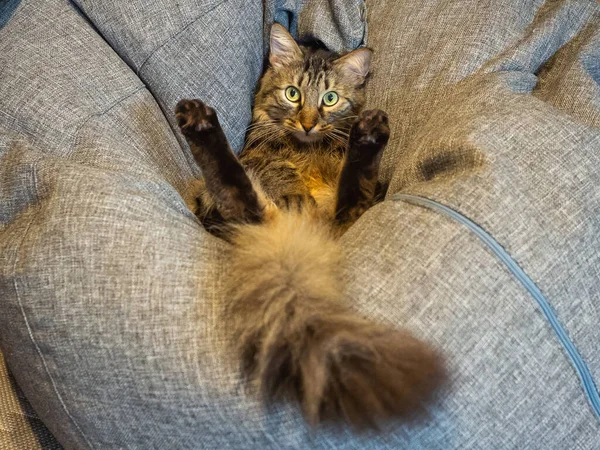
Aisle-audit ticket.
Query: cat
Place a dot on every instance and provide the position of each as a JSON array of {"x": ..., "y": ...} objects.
[{"x": 309, "y": 170}]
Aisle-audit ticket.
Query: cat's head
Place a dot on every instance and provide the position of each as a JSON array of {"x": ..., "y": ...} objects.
[{"x": 309, "y": 94}]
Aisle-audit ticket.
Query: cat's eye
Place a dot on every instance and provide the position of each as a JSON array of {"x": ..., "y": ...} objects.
[
  {"x": 330, "y": 98},
  {"x": 292, "y": 94}
]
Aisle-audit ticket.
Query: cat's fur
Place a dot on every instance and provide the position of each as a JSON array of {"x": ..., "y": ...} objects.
[{"x": 282, "y": 204}]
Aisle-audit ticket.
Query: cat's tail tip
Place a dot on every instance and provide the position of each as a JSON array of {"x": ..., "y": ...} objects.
[{"x": 356, "y": 371}]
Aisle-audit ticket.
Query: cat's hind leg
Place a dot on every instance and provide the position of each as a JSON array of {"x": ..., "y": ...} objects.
[
  {"x": 358, "y": 178},
  {"x": 226, "y": 181}
]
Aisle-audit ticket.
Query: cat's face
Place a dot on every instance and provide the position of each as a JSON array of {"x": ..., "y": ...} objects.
[{"x": 310, "y": 94}]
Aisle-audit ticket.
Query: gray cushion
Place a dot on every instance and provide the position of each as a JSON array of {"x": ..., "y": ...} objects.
[
  {"x": 20, "y": 426},
  {"x": 111, "y": 292}
]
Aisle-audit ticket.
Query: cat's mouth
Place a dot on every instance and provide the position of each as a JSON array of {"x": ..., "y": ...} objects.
[{"x": 308, "y": 137}]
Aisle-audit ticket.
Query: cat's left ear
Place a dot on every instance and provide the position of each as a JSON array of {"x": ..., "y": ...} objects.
[{"x": 356, "y": 64}]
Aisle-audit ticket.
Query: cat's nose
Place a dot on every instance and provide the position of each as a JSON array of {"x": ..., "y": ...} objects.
[
  {"x": 308, "y": 118},
  {"x": 308, "y": 126}
]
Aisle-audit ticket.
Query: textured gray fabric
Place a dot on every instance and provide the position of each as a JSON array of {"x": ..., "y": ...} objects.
[
  {"x": 162, "y": 40},
  {"x": 518, "y": 167},
  {"x": 339, "y": 25},
  {"x": 111, "y": 292},
  {"x": 20, "y": 427}
]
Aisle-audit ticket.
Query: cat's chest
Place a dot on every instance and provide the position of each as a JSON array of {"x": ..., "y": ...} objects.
[
  {"x": 320, "y": 174},
  {"x": 318, "y": 169}
]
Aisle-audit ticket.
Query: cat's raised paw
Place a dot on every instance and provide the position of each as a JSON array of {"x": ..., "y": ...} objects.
[
  {"x": 194, "y": 116},
  {"x": 372, "y": 127}
]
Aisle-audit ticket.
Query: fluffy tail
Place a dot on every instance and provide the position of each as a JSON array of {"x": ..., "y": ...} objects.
[{"x": 296, "y": 337}]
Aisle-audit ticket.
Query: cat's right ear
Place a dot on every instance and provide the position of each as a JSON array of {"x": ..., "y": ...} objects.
[
  {"x": 356, "y": 64},
  {"x": 284, "y": 49}
]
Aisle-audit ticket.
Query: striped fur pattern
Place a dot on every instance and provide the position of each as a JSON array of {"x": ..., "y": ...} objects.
[{"x": 308, "y": 171}]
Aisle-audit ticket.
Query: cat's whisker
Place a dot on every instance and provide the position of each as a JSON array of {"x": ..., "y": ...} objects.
[
  {"x": 342, "y": 137},
  {"x": 272, "y": 136},
  {"x": 339, "y": 134},
  {"x": 258, "y": 132},
  {"x": 336, "y": 139},
  {"x": 252, "y": 142},
  {"x": 340, "y": 131},
  {"x": 258, "y": 136},
  {"x": 261, "y": 131},
  {"x": 346, "y": 119},
  {"x": 261, "y": 125}
]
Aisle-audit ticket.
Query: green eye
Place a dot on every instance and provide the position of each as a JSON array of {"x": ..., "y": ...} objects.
[
  {"x": 330, "y": 98},
  {"x": 292, "y": 94}
]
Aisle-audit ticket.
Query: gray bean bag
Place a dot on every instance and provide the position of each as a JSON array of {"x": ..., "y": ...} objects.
[{"x": 487, "y": 246}]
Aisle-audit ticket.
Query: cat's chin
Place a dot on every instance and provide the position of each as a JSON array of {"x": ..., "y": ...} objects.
[{"x": 304, "y": 138}]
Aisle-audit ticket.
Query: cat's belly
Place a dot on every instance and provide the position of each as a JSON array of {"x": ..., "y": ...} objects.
[
  {"x": 323, "y": 192},
  {"x": 325, "y": 197}
]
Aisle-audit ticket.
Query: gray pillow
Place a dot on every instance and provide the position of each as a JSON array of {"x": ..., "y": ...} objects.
[{"x": 111, "y": 292}]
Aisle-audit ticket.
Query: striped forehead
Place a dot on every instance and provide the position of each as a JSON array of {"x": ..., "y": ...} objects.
[{"x": 315, "y": 72}]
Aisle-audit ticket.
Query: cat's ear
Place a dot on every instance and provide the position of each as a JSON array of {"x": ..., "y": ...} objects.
[
  {"x": 356, "y": 65},
  {"x": 284, "y": 49}
]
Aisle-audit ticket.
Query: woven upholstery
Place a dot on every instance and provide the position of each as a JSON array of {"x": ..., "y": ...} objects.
[{"x": 111, "y": 292}]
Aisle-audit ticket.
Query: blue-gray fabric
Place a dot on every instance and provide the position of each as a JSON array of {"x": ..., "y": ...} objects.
[{"x": 111, "y": 292}]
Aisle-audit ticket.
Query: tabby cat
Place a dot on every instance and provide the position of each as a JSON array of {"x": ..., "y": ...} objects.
[{"x": 309, "y": 169}]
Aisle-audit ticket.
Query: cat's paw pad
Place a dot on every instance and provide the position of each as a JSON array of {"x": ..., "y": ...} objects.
[
  {"x": 372, "y": 127},
  {"x": 194, "y": 116}
]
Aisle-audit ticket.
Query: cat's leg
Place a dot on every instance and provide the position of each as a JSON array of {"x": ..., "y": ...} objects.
[
  {"x": 227, "y": 184},
  {"x": 360, "y": 169}
]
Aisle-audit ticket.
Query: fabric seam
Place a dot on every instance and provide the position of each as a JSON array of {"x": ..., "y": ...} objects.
[
  {"x": 515, "y": 269},
  {"x": 103, "y": 112},
  {"x": 28, "y": 326},
  {"x": 174, "y": 36}
]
